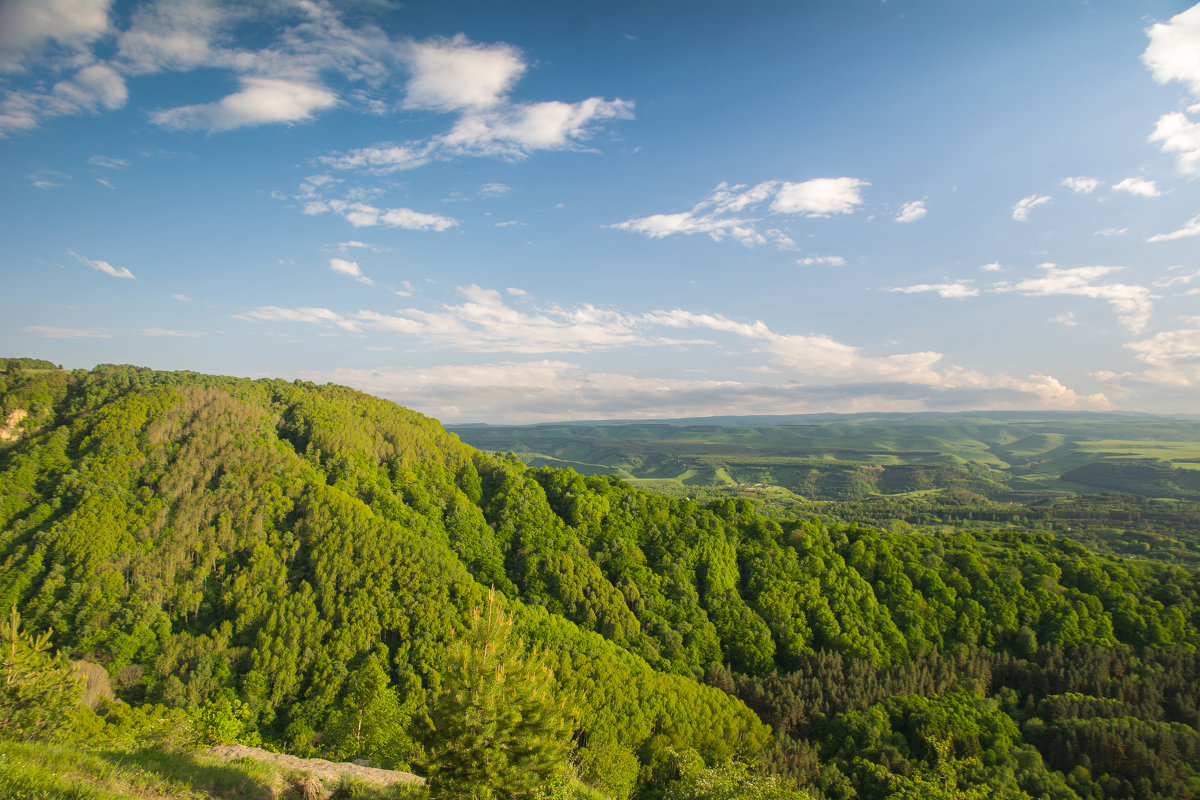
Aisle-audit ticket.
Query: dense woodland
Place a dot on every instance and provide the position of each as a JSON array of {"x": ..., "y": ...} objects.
[{"x": 308, "y": 568}]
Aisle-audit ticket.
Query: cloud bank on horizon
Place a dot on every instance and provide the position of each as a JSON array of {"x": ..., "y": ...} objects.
[{"x": 501, "y": 215}]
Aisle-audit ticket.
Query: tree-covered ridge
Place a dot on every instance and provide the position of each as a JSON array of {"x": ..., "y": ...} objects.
[{"x": 272, "y": 549}]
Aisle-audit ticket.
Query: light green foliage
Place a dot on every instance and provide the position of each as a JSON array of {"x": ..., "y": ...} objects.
[
  {"x": 225, "y": 720},
  {"x": 500, "y": 728},
  {"x": 372, "y": 723},
  {"x": 730, "y": 780},
  {"x": 39, "y": 692}
]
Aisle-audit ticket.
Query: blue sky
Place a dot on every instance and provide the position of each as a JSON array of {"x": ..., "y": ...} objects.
[{"x": 526, "y": 211}]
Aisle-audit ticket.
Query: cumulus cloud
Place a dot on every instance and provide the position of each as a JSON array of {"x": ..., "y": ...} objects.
[
  {"x": 27, "y": 26},
  {"x": 992, "y": 267},
  {"x": 1174, "y": 55},
  {"x": 1189, "y": 229},
  {"x": 261, "y": 101},
  {"x": 1020, "y": 212},
  {"x": 721, "y": 214},
  {"x": 1131, "y": 302},
  {"x": 1177, "y": 134},
  {"x": 1171, "y": 357},
  {"x": 50, "y": 332},
  {"x": 456, "y": 74},
  {"x": 351, "y": 268},
  {"x": 820, "y": 197},
  {"x": 953, "y": 291},
  {"x": 911, "y": 212},
  {"x": 1138, "y": 186},
  {"x": 102, "y": 266},
  {"x": 1174, "y": 50},
  {"x": 1081, "y": 185}
]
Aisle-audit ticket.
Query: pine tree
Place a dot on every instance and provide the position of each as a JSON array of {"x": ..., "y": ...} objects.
[
  {"x": 38, "y": 690},
  {"x": 499, "y": 730}
]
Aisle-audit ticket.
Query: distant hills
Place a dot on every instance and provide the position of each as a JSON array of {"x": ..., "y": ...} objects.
[{"x": 1000, "y": 455}]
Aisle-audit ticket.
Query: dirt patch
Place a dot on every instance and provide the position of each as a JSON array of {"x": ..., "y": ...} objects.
[{"x": 327, "y": 772}]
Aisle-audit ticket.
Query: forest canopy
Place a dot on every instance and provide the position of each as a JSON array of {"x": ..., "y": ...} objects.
[{"x": 308, "y": 557}]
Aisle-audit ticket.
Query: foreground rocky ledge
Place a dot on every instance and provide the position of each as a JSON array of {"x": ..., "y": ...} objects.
[{"x": 327, "y": 772}]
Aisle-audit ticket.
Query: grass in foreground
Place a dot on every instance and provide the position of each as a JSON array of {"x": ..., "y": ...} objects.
[{"x": 38, "y": 771}]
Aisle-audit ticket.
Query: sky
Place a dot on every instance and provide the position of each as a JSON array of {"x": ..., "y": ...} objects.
[{"x": 513, "y": 212}]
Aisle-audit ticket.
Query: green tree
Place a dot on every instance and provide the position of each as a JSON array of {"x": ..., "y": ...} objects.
[
  {"x": 39, "y": 692},
  {"x": 499, "y": 729},
  {"x": 372, "y": 722}
]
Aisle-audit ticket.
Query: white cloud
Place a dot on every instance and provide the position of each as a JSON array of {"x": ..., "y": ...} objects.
[
  {"x": 89, "y": 90},
  {"x": 48, "y": 179},
  {"x": 1190, "y": 228},
  {"x": 1138, "y": 186},
  {"x": 363, "y": 215},
  {"x": 261, "y": 101},
  {"x": 719, "y": 215},
  {"x": 175, "y": 35},
  {"x": 835, "y": 375},
  {"x": 1081, "y": 185},
  {"x": 1112, "y": 232},
  {"x": 1132, "y": 303},
  {"x": 457, "y": 74},
  {"x": 515, "y": 131},
  {"x": 992, "y": 267},
  {"x": 1020, "y": 211},
  {"x": 911, "y": 212},
  {"x": 105, "y": 162},
  {"x": 170, "y": 333},
  {"x": 26, "y": 26},
  {"x": 351, "y": 268},
  {"x": 1178, "y": 134},
  {"x": 1172, "y": 357},
  {"x": 820, "y": 197},
  {"x": 1067, "y": 318},
  {"x": 1174, "y": 50},
  {"x": 1176, "y": 280},
  {"x": 322, "y": 316},
  {"x": 183, "y": 298},
  {"x": 830, "y": 261},
  {"x": 49, "y": 332},
  {"x": 493, "y": 189},
  {"x": 954, "y": 291},
  {"x": 381, "y": 158},
  {"x": 530, "y": 391},
  {"x": 102, "y": 266}
]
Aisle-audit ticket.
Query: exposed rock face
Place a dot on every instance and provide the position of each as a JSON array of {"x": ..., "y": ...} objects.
[
  {"x": 10, "y": 430},
  {"x": 325, "y": 771}
]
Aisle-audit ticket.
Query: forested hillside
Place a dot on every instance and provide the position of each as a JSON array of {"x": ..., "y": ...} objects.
[{"x": 310, "y": 561}]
